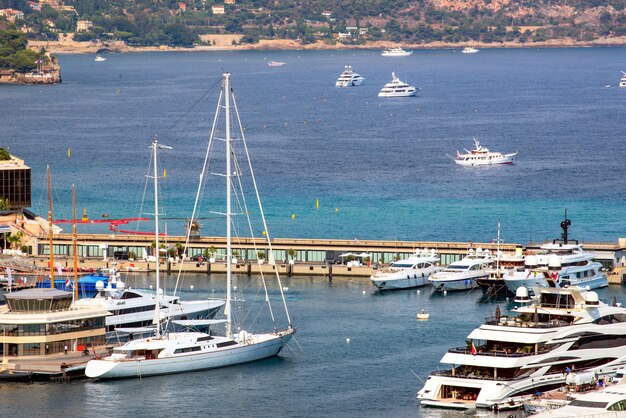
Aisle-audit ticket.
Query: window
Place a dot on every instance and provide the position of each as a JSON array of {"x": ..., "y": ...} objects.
[{"x": 588, "y": 404}]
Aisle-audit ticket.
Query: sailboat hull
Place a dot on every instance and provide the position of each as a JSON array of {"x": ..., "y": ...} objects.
[{"x": 268, "y": 345}]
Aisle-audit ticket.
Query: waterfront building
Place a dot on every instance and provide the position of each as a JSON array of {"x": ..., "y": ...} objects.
[
  {"x": 44, "y": 321},
  {"x": 218, "y": 10},
  {"x": 15, "y": 182},
  {"x": 84, "y": 25}
]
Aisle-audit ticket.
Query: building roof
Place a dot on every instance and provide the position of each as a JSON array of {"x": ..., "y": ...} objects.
[
  {"x": 13, "y": 163},
  {"x": 39, "y": 293}
]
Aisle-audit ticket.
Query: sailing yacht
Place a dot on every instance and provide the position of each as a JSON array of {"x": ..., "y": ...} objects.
[{"x": 179, "y": 352}]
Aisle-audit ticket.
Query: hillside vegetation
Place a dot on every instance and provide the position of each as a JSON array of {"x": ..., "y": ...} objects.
[{"x": 169, "y": 22}]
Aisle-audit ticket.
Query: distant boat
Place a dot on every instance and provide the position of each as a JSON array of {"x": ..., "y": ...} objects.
[
  {"x": 99, "y": 58},
  {"x": 482, "y": 156},
  {"x": 276, "y": 64},
  {"x": 469, "y": 50},
  {"x": 396, "y": 52},
  {"x": 622, "y": 81},
  {"x": 349, "y": 78},
  {"x": 397, "y": 88}
]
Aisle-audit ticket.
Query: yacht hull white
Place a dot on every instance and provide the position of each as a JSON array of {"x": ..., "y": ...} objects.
[
  {"x": 264, "y": 346},
  {"x": 455, "y": 285},
  {"x": 407, "y": 281}
]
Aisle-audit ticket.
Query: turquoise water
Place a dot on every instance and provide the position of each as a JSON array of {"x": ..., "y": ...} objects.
[{"x": 381, "y": 169}]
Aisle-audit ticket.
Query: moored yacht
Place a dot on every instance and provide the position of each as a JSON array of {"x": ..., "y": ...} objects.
[
  {"x": 134, "y": 308},
  {"x": 530, "y": 350},
  {"x": 469, "y": 50},
  {"x": 504, "y": 262},
  {"x": 609, "y": 402},
  {"x": 348, "y": 78},
  {"x": 411, "y": 272},
  {"x": 561, "y": 263},
  {"x": 482, "y": 156},
  {"x": 463, "y": 274},
  {"x": 397, "y": 88},
  {"x": 622, "y": 81},
  {"x": 396, "y": 52}
]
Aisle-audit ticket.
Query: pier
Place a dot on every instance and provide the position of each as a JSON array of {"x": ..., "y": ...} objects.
[{"x": 290, "y": 256}]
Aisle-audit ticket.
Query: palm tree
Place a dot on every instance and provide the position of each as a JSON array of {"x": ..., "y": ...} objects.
[{"x": 15, "y": 240}]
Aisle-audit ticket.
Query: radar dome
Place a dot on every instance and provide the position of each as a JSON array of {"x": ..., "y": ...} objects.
[
  {"x": 119, "y": 285},
  {"x": 531, "y": 261},
  {"x": 521, "y": 295},
  {"x": 99, "y": 285},
  {"x": 591, "y": 298},
  {"x": 554, "y": 262}
]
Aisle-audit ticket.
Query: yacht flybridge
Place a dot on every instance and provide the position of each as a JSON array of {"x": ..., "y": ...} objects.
[
  {"x": 348, "y": 78},
  {"x": 178, "y": 352},
  {"x": 530, "y": 350},
  {"x": 481, "y": 155},
  {"x": 561, "y": 263}
]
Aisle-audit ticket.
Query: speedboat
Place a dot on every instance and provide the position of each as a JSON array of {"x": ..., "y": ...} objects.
[
  {"x": 463, "y": 274},
  {"x": 276, "y": 64},
  {"x": 561, "y": 263},
  {"x": 99, "y": 58},
  {"x": 530, "y": 349},
  {"x": 396, "y": 52},
  {"x": 622, "y": 81},
  {"x": 397, "y": 88},
  {"x": 134, "y": 309},
  {"x": 349, "y": 78},
  {"x": 482, "y": 156},
  {"x": 469, "y": 50},
  {"x": 410, "y": 272}
]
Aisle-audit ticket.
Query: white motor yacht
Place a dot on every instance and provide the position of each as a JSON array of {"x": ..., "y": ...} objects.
[
  {"x": 134, "y": 308},
  {"x": 99, "y": 58},
  {"x": 531, "y": 349},
  {"x": 622, "y": 81},
  {"x": 463, "y": 274},
  {"x": 411, "y": 272},
  {"x": 396, "y": 52},
  {"x": 276, "y": 64},
  {"x": 469, "y": 50},
  {"x": 561, "y": 263},
  {"x": 178, "y": 352},
  {"x": 349, "y": 78},
  {"x": 397, "y": 88},
  {"x": 482, "y": 156}
]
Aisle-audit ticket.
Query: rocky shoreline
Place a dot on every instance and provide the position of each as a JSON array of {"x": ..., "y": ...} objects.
[
  {"x": 45, "y": 75},
  {"x": 71, "y": 47}
]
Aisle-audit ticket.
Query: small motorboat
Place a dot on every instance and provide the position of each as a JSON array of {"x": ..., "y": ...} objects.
[
  {"x": 275, "y": 64},
  {"x": 99, "y": 58},
  {"x": 422, "y": 316}
]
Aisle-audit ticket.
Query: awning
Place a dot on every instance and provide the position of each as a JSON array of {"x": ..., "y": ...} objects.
[{"x": 198, "y": 322}]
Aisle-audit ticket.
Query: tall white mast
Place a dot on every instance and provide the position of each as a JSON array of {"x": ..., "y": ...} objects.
[
  {"x": 229, "y": 215},
  {"x": 157, "y": 307},
  {"x": 498, "y": 252}
]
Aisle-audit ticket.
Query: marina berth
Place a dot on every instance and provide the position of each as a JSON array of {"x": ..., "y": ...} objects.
[
  {"x": 481, "y": 155},
  {"x": 411, "y": 272},
  {"x": 463, "y": 274},
  {"x": 504, "y": 262},
  {"x": 348, "y": 78},
  {"x": 561, "y": 330}
]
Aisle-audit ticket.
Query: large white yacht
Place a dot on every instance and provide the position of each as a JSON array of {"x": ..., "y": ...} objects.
[
  {"x": 397, "y": 88},
  {"x": 396, "y": 52},
  {"x": 463, "y": 274},
  {"x": 348, "y": 78},
  {"x": 622, "y": 81},
  {"x": 135, "y": 309},
  {"x": 561, "y": 263},
  {"x": 411, "y": 272},
  {"x": 530, "y": 350},
  {"x": 482, "y": 156}
]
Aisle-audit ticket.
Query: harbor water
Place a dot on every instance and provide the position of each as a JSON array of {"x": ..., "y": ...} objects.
[
  {"x": 380, "y": 168},
  {"x": 322, "y": 374}
]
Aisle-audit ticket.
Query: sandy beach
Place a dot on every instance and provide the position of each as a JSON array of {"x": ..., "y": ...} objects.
[{"x": 224, "y": 42}]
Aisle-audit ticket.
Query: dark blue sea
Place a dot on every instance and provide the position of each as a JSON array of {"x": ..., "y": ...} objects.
[
  {"x": 320, "y": 375},
  {"x": 381, "y": 168}
]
